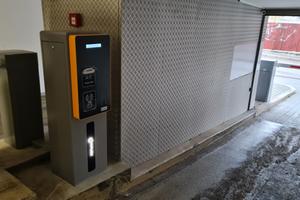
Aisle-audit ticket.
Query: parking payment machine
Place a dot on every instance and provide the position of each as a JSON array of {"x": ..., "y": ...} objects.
[
  {"x": 77, "y": 80},
  {"x": 89, "y": 68}
]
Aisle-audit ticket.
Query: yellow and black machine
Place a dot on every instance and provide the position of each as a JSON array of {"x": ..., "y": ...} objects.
[{"x": 77, "y": 81}]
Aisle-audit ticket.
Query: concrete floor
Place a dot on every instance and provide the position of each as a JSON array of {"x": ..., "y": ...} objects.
[
  {"x": 261, "y": 161},
  {"x": 288, "y": 112}
]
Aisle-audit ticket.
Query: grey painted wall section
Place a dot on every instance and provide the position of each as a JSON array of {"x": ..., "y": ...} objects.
[
  {"x": 176, "y": 65},
  {"x": 21, "y": 23}
]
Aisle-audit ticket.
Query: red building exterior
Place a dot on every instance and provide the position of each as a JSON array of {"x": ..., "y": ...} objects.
[{"x": 283, "y": 37}]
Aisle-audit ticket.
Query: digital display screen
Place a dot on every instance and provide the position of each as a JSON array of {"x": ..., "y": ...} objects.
[{"x": 93, "y": 46}]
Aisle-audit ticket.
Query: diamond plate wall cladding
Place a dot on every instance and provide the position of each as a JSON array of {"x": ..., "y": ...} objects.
[
  {"x": 98, "y": 16},
  {"x": 176, "y": 66}
]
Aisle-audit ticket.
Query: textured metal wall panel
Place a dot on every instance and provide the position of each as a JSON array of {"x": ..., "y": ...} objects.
[
  {"x": 101, "y": 16},
  {"x": 176, "y": 64}
]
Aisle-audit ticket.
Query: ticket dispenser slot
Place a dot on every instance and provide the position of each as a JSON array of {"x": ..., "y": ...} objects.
[{"x": 89, "y": 74}]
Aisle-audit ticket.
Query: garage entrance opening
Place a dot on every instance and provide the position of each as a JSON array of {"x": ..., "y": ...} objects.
[{"x": 280, "y": 60}]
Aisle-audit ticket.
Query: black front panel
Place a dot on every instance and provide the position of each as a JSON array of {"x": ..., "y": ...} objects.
[{"x": 93, "y": 57}]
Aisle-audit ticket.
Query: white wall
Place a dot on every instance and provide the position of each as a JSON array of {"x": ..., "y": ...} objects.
[{"x": 20, "y": 24}]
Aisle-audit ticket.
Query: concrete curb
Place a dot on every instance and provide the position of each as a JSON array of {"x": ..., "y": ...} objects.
[{"x": 267, "y": 106}]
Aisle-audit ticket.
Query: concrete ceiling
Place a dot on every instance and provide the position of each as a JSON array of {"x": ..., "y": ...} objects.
[{"x": 274, "y": 4}]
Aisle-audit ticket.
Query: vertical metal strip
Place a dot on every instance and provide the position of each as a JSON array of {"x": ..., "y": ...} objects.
[{"x": 256, "y": 58}]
